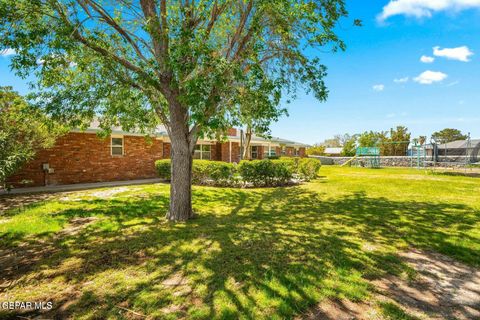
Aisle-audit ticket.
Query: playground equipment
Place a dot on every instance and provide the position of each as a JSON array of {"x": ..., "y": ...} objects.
[
  {"x": 460, "y": 154},
  {"x": 349, "y": 161},
  {"x": 368, "y": 157},
  {"x": 418, "y": 155}
]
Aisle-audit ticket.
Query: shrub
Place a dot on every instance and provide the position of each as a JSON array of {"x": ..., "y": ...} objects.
[
  {"x": 163, "y": 168},
  {"x": 308, "y": 168},
  {"x": 209, "y": 172},
  {"x": 203, "y": 171},
  {"x": 292, "y": 163},
  {"x": 265, "y": 172},
  {"x": 257, "y": 172}
]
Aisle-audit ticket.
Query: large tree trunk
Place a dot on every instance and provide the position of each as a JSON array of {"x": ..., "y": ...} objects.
[
  {"x": 181, "y": 181},
  {"x": 182, "y": 146}
]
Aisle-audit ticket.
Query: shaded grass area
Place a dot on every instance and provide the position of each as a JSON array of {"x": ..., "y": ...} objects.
[{"x": 251, "y": 254}]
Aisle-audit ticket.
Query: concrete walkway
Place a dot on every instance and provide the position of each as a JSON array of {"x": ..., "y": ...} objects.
[{"x": 78, "y": 186}]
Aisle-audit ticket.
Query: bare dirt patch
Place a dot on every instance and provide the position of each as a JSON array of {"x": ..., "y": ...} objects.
[
  {"x": 442, "y": 289},
  {"x": 103, "y": 193},
  {"x": 8, "y": 202}
]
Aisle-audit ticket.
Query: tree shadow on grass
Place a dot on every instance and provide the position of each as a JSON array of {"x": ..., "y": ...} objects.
[{"x": 252, "y": 254}]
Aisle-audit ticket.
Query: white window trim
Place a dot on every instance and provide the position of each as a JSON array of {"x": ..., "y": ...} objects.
[
  {"x": 201, "y": 150},
  {"x": 269, "y": 151},
  {"x": 111, "y": 145}
]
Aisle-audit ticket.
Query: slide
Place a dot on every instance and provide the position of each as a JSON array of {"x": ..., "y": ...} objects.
[{"x": 349, "y": 161}]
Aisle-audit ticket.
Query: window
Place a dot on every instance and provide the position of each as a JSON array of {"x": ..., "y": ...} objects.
[
  {"x": 254, "y": 152},
  {"x": 202, "y": 151},
  {"x": 296, "y": 152},
  {"x": 117, "y": 146},
  {"x": 267, "y": 154},
  {"x": 284, "y": 151}
]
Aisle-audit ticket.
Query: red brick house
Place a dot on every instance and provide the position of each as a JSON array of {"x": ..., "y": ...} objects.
[{"x": 83, "y": 156}]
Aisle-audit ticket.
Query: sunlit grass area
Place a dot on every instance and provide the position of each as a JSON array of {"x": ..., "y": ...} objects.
[{"x": 250, "y": 254}]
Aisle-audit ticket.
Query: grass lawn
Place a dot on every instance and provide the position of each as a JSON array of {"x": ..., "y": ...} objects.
[{"x": 251, "y": 253}]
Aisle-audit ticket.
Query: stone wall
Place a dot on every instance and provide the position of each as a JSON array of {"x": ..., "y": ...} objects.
[{"x": 399, "y": 161}]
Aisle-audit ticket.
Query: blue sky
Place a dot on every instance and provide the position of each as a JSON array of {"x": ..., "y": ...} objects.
[
  {"x": 363, "y": 92},
  {"x": 382, "y": 51}
]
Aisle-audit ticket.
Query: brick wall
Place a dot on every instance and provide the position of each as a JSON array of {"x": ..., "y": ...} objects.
[
  {"x": 214, "y": 154},
  {"x": 224, "y": 154},
  {"x": 260, "y": 151},
  {"x": 278, "y": 151},
  {"x": 166, "y": 150},
  {"x": 301, "y": 152},
  {"x": 84, "y": 157}
]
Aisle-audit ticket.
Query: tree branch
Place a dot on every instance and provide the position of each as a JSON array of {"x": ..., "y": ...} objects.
[
  {"x": 110, "y": 21},
  {"x": 102, "y": 51}
]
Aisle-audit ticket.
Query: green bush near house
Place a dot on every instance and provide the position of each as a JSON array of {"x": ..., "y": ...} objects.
[
  {"x": 207, "y": 172},
  {"x": 265, "y": 172},
  {"x": 204, "y": 172},
  {"x": 163, "y": 168},
  {"x": 308, "y": 168},
  {"x": 259, "y": 173},
  {"x": 292, "y": 163}
]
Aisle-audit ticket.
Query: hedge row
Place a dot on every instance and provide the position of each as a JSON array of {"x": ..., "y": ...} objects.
[
  {"x": 256, "y": 172},
  {"x": 204, "y": 172}
]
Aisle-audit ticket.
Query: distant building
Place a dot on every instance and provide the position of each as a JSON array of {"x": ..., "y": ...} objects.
[{"x": 456, "y": 148}]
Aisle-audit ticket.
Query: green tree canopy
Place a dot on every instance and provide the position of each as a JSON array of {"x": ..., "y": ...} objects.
[
  {"x": 182, "y": 63},
  {"x": 350, "y": 146},
  {"x": 371, "y": 138},
  {"x": 397, "y": 142},
  {"x": 448, "y": 135},
  {"x": 23, "y": 131},
  {"x": 316, "y": 150}
]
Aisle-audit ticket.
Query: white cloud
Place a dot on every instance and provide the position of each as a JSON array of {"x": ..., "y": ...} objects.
[
  {"x": 7, "y": 52},
  {"x": 424, "y": 8},
  {"x": 391, "y": 115},
  {"x": 460, "y": 53},
  {"x": 429, "y": 77},
  {"x": 378, "y": 87},
  {"x": 427, "y": 59},
  {"x": 401, "y": 80}
]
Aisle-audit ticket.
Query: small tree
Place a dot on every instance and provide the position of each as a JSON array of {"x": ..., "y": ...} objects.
[
  {"x": 448, "y": 135},
  {"x": 23, "y": 131},
  {"x": 372, "y": 138},
  {"x": 316, "y": 150},
  {"x": 256, "y": 112},
  {"x": 397, "y": 142},
  {"x": 350, "y": 147}
]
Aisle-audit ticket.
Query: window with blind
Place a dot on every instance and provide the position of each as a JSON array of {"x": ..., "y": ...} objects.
[{"x": 117, "y": 146}]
